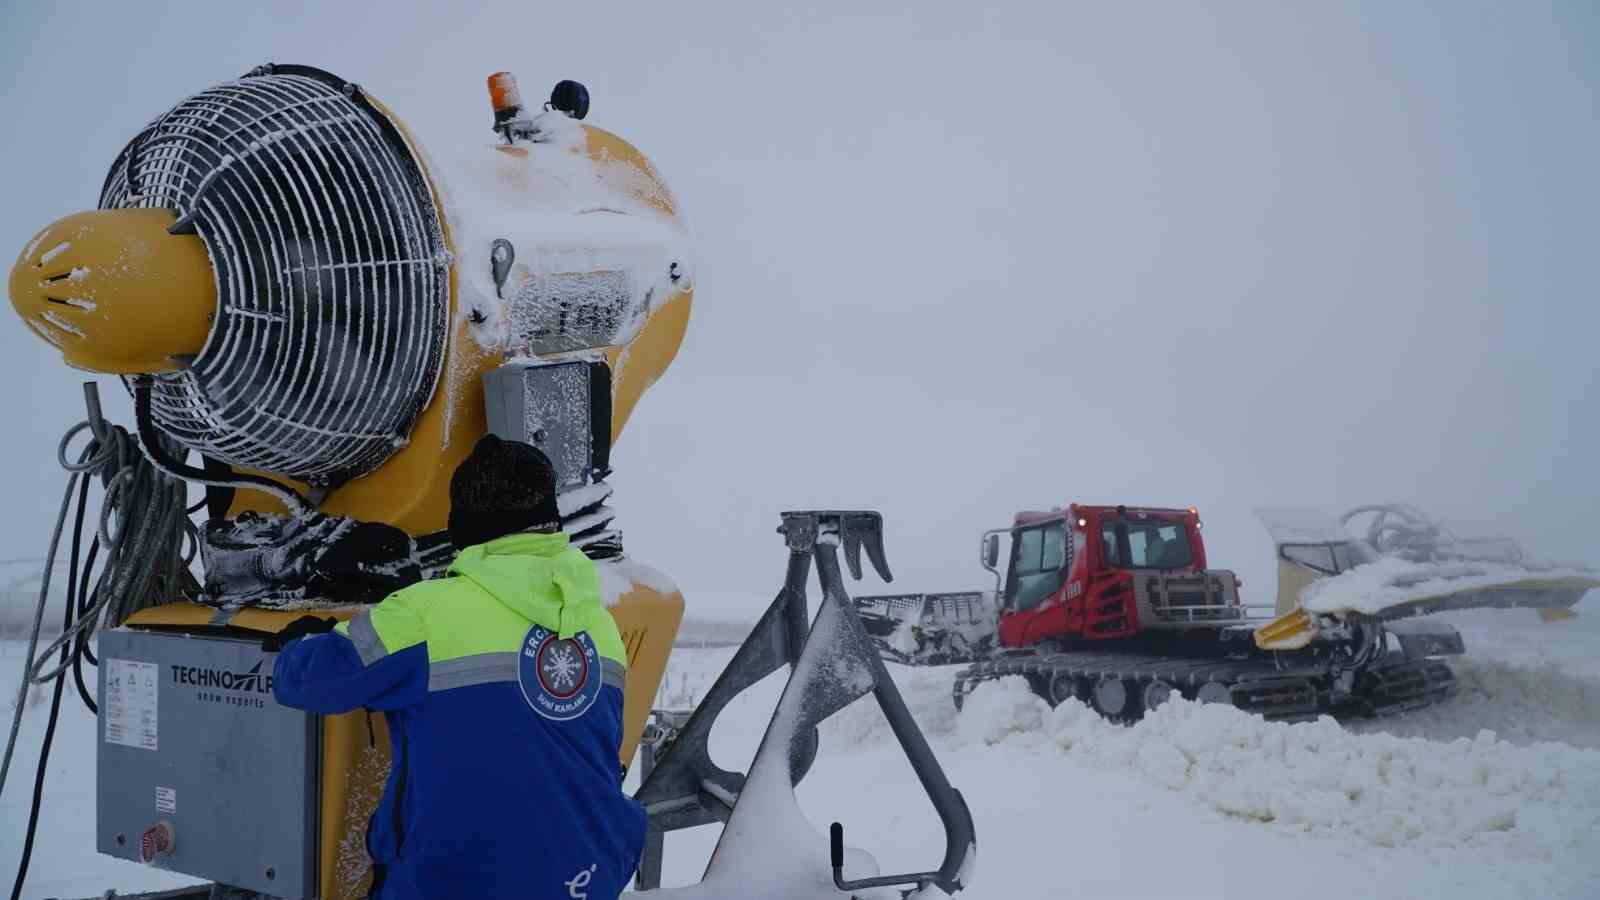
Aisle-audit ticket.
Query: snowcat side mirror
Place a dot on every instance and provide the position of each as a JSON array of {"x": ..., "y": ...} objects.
[{"x": 991, "y": 551}]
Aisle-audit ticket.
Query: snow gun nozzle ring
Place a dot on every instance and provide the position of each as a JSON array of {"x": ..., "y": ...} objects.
[{"x": 805, "y": 530}]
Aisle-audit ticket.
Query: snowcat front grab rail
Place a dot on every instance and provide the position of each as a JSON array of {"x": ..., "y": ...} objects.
[{"x": 685, "y": 788}]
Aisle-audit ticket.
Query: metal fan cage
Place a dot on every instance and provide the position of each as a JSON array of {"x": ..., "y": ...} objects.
[{"x": 331, "y": 270}]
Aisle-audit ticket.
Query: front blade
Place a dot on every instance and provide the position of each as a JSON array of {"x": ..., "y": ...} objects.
[{"x": 1394, "y": 589}]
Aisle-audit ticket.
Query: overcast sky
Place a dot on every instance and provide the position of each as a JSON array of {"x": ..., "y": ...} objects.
[{"x": 957, "y": 260}]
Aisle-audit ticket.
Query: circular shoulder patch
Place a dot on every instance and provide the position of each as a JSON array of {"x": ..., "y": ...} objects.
[{"x": 560, "y": 678}]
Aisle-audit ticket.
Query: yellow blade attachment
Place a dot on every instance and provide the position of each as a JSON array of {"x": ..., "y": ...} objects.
[{"x": 1290, "y": 631}]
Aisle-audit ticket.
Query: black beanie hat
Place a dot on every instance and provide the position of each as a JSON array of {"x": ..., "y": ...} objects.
[{"x": 502, "y": 488}]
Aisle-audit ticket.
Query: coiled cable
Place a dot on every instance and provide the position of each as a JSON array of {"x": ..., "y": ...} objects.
[{"x": 144, "y": 542}]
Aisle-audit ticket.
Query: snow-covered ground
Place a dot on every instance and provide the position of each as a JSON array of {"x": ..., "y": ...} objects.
[{"x": 1194, "y": 802}]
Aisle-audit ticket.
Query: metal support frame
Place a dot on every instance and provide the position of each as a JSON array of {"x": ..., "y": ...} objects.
[{"x": 684, "y": 788}]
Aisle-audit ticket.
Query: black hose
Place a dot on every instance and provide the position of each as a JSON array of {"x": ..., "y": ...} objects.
[
  {"x": 86, "y": 597},
  {"x": 29, "y": 670},
  {"x": 143, "y": 563},
  {"x": 158, "y": 455},
  {"x": 81, "y": 650},
  {"x": 76, "y": 594},
  {"x": 55, "y": 708}
]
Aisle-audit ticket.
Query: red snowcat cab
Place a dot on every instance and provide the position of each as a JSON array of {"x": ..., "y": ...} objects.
[{"x": 1106, "y": 572}]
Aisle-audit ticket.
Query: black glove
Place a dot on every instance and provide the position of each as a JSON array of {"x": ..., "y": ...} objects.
[
  {"x": 368, "y": 563},
  {"x": 300, "y": 627}
]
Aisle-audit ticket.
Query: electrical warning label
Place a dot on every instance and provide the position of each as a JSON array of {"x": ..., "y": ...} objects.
[{"x": 129, "y": 704}]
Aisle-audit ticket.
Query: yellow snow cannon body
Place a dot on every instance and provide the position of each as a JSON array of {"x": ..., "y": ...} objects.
[{"x": 331, "y": 318}]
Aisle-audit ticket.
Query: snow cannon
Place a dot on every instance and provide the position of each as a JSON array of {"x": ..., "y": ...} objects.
[
  {"x": 317, "y": 321},
  {"x": 304, "y": 294}
]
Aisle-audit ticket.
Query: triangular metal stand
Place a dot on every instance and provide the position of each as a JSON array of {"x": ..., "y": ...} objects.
[{"x": 685, "y": 788}]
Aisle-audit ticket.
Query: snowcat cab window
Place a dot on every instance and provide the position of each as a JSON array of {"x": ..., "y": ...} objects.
[
  {"x": 1109, "y": 545},
  {"x": 1151, "y": 545},
  {"x": 1038, "y": 564}
]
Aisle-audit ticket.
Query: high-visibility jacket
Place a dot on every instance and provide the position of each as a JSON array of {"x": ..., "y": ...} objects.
[{"x": 502, "y": 684}]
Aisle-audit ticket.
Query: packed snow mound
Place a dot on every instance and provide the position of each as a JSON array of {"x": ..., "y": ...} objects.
[
  {"x": 1378, "y": 585},
  {"x": 1540, "y": 802},
  {"x": 1524, "y": 703},
  {"x": 1541, "y": 700}
]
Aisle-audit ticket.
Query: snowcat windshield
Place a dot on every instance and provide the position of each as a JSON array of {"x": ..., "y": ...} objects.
[
  {"x": 1038, "y": 564},
  {"x": 1149, "y": 545}
]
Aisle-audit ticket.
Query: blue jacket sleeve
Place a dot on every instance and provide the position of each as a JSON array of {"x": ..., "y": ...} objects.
[{"x": 324, "y": 673}]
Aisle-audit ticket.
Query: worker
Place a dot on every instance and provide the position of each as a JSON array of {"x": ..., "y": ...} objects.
[{"x": 502, "y": 686}]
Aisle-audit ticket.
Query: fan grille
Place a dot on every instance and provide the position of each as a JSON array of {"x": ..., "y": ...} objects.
[{"x": 331, "y": 267}]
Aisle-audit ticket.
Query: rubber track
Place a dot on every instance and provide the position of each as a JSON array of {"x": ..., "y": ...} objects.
[
  {"x": 1257, "y": 686},
  {"x": 1406, "y": 686},
  {"x": 1254, "y": 685}
]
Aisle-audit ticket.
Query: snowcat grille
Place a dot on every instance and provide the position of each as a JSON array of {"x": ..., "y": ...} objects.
[
  {"x": 1179, "y": 598},
  {"x": 331, "y": 271}
]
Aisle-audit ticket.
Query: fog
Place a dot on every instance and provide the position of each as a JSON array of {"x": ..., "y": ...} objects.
[{"x": 957, "y": 260}]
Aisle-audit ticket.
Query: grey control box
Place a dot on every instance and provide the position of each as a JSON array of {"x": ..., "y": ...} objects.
[
  {"x": 563, "y": 408},
  {"x": 200, "y": 771}
]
